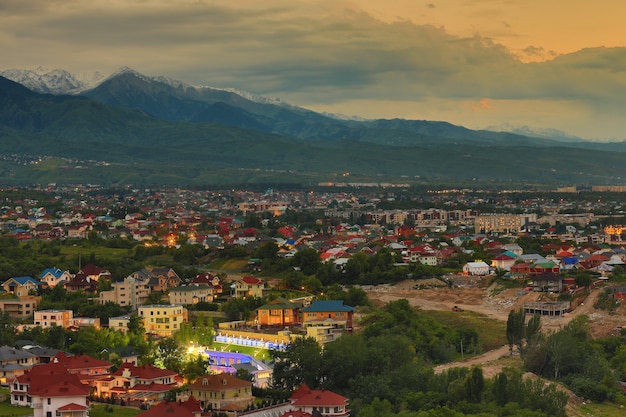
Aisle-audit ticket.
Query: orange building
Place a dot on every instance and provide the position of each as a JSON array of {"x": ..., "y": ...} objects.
[{"x": 279, "y": 312}]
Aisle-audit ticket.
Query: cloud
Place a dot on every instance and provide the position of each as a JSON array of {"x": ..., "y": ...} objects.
[{"x": 315, "y": 53}]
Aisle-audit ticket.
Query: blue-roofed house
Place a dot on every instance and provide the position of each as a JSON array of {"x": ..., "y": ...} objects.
[
  {"x": 328, "y": 313},
  {"x": 54, "y": 276},
  {"x": 20, "y": 286}
]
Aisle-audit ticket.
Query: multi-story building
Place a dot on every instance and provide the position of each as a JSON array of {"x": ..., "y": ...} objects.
[
  {"x": 191, "y": 294},
  {"x": 50, "y": 390},
  {"x": 502, "y": 223},
  {"x": 13, "y": 363},
  {"x": 163, "y": 320},
  {"x": 49, "y": 318},
  {"x": 325, "y": 402},
  {"x": 328, "y": 313},
  {"x": 249, "y": 287},
  {"x": 279, "y": 312},
  {"x": 222, "y": 391},
  {"x": 129, "y": 292},
  {"x": 20, "y": 308}
]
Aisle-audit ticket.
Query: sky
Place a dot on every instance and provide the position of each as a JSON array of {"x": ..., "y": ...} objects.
[{"x": 477, "y": 63}]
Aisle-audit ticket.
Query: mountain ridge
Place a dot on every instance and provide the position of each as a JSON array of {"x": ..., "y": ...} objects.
[{"x": 251, "y": 141}]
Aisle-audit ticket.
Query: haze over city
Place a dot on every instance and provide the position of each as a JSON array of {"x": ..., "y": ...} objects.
[{"x": 477, "y": 64}]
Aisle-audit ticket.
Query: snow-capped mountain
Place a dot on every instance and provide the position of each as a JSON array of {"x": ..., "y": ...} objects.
[
  {"x": 52, "y": 81},
  {"x": 546, "y": 133}
]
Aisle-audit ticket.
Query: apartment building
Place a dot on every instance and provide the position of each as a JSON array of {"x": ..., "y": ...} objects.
[
  {"x": 129, "y": 292},
  {"x": 163, "y": 320}
]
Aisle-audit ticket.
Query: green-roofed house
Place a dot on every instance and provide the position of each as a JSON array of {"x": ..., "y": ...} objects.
[
  {"x": 279, "y": 312},
  {"x": 331, "y": 313}
]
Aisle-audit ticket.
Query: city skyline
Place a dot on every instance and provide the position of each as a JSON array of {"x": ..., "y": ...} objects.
[{"x": 476, "y": 64}]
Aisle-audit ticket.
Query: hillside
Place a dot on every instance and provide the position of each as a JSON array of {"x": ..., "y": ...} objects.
[{"x": 115, "y": 144}]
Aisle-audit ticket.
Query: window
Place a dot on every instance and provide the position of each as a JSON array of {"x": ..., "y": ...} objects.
[{"x": 49, "y": 401}]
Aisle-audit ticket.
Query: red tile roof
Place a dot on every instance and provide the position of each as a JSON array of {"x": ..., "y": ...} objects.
[
  {"x": 145, "y": 371},
  {"x": 304, "y": 396},
  {"x": 72, "y": 407},
  {"x": 189, "y": 408}
]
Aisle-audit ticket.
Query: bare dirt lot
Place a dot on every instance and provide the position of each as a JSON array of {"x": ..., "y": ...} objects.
[
  {"x": 493, "y": 302},
  {"x": 475, "y": 295}
]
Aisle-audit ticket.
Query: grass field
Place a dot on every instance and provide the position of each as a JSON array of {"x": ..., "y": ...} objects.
[
  {"x": 98, "y": 251},
  {"x": 491, "y": 333},
  {"x": 100, "y": 410}
]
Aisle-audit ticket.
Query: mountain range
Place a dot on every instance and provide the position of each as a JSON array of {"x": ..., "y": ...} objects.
[{"x": 129, "y": 128}]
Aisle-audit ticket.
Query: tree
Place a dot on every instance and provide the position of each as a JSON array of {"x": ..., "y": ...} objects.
[
  {"x": 135, "y": 324},
  {"x": 515, "y": 328},
  {"x": 474, "y": 385},
  {"x": 299, "y": 363},
  {"x": 169, "y": 355},
  {"x": 7, "y": 329},
  {"x": 308, "y": 260}
]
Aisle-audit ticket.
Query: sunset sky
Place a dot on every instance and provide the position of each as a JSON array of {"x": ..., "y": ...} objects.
[{"x": 476, "y": 63}]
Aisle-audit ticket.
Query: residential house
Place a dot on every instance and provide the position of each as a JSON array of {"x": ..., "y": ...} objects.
[
  {"x": 504, "y": 261},
  {"x": 331, "y": 313},
  {"x": 20, "y": 308},
  {"x": 82, "y": 283},
  {"x": 249, "y": 287},
  {"x": 209, "y": 279},
  {"x": 547, "y": 282},
  {"x": 520, "y": 270},
  {"x": 129, "y": 379},
  {"x": 191, "y": 294},
  {"x": 328, "y": 403},
  {"x": 20, "y": 286},
  {"x": 13, "y": 363},
  {"x": 50, "y": 277},
  {"x": 222, "y": 392},
  {"x": 95, "y": 273},
  {"x": 513, "y": 247},
  {"x": 49, "y": 318},
  {"x": 89, "y": 370},
  {"x": 163, "y": 320},
  {"x": 477, "y": 268},
  {"x": 50, "y": 390},
  {"x": 279, "y": 312},
  {"x": 119, "y": 323},
  {"x": 545, "y": 267},
  {"x": 158, "y": 279},
  {"x": 129, "y": 292}
]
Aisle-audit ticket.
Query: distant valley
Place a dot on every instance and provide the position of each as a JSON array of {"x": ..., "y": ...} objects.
[{"x": 129, "y": 128}]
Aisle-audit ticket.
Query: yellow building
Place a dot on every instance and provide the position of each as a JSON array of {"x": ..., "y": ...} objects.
[
  {"x": 20, "y": 308},
  {"x": 163, "y": 320},
  {"x": 191, "y": 294},
  {"x": 222, "y": 392}
]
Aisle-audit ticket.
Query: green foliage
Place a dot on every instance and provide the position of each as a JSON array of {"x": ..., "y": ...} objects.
[{"x": 298, "y": 364}]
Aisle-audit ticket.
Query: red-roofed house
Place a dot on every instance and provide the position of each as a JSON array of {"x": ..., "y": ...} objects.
[
  {"x": 189, "y": 408},
  {"x": 50, "y": 390},
  {"x": 88, "y": 370},
  {"x": 249, "y": 287},
  {"x": 503, "y": 261},
  {"x": 129, "y": 380},
  {"x": 326, "y": 402}
]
